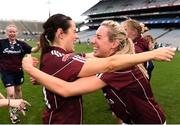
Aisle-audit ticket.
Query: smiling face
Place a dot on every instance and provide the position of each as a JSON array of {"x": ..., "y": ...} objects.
[
  {"x": 102, "y": 46},
  {"x": 70, "y": 37},
  {"x": 11, "y": 32},
  {"x": 65, "y": 39}
]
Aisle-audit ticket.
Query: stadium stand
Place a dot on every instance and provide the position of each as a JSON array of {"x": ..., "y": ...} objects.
[
  {"x": 86, "y": 35},
  {"x": 161, "y": 16},
  {"x": 170, "y": 39}
]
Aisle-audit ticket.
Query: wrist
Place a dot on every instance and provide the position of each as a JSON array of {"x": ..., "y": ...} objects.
[
  {"x": 151, "y": 55},
  {"x": 9, "y": 101}
]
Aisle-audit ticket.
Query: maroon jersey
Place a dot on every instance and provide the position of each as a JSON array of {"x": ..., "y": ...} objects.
[
  {"x": 62, "y": 110},
  {"x": 11, "y": 54},
  {"x": 130, "y": 97},
  {"x": 141, "y": 45}
]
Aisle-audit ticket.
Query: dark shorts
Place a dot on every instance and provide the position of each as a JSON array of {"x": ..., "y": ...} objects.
[{"x": 12, "y": 78}]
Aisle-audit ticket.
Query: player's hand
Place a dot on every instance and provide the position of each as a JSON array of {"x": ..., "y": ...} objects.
[
  {"x": 20, "y": 104},
  {"x": 164, "y": 54},
  {"x": 33, "y": 81},
  {"x": 38, "y": 44},
  {"x": 29, "y": 61}
]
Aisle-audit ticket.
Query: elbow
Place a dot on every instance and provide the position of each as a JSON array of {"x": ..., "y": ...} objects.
[
  {"x": 63, "y": 90},
  {"x": 122, "y": 64},
  {"x": 64, "y": 93}
]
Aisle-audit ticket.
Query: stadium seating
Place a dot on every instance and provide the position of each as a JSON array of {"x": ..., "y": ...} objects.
[
  {"x": 27, "y": 30},
  {"x": 161, "y": 16},
  {"x": 86, "y": 35}
]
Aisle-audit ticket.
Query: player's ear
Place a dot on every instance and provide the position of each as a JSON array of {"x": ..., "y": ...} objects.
[
  {"x": 115, "y": 44},
  {"x": 59, "y": 33}
]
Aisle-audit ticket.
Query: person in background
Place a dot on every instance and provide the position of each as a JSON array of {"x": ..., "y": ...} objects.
[
  {"x": 150, "y": 65},
  {"x": 134, "y": 30},
  {"x": 11, "y": 53},
  {"x": 128, "y": 91},
  {"x": 149, "y": 38}
]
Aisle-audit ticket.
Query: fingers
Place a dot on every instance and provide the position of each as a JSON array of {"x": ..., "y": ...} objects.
[
  {"x": 29, "y": 60},
  {"x": 38, "y": 44},
  {"x": 35, "y": 61},
  {"x": 33, "y": 81},
  {"x": 167, "y": 57},
  {"x": 171, "y": 53},
  {"x": 23, "y": 112},
  {"x": 171, "y": 48},
  {"x": 26, "y": 102},
  {"x": 21, "y": 108},
  {"x": 165, "y": 54},
  {"x": 29, "y": 55},
  {"x": 22, "y": 105}
]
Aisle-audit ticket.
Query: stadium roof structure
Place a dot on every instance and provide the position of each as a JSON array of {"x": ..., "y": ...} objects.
[{"x": 113, "y": 6}]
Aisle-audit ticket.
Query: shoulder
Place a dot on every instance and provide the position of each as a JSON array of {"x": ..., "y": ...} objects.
[
  {"x": 144, "y": 40},
  {"x": 2, "y": 40},
  {"x": 78, "y": 58},
  {"x": 22, "y": 43},
  {"x": 53, "y": 55},
  {"x": 19, "y": 41}
]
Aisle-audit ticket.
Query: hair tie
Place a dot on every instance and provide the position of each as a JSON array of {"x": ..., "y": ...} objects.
[{"x": 47, "y": 38}]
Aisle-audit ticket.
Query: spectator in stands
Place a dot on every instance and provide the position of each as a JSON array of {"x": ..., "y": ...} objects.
[
  {"x": 79, "y": 41},
  {"x": 11, "y": 53},
  {"x": 156, "y": 45},
  {"x": 17, "y": 103},
  {"x": 161, "y": 45},
  {"x": 88, "y": 41},
  {"x": 128, "y": 91}
]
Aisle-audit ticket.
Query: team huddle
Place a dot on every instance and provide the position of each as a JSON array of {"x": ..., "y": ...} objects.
[{"x": 120, "y": 65}]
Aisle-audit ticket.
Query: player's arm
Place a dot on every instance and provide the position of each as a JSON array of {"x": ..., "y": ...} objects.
[
  {"x": 3, "y": 102},
  {"x": 63, "y": 88},
  {"x": 116, "y": 62},
  {"x": 1, "y": 96},
  {"x": 119, "y": 62},
  {"x": 36, "y": 48}
]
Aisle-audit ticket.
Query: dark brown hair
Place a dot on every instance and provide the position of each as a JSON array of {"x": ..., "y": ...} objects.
[{"x": 50, "y": 28}]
